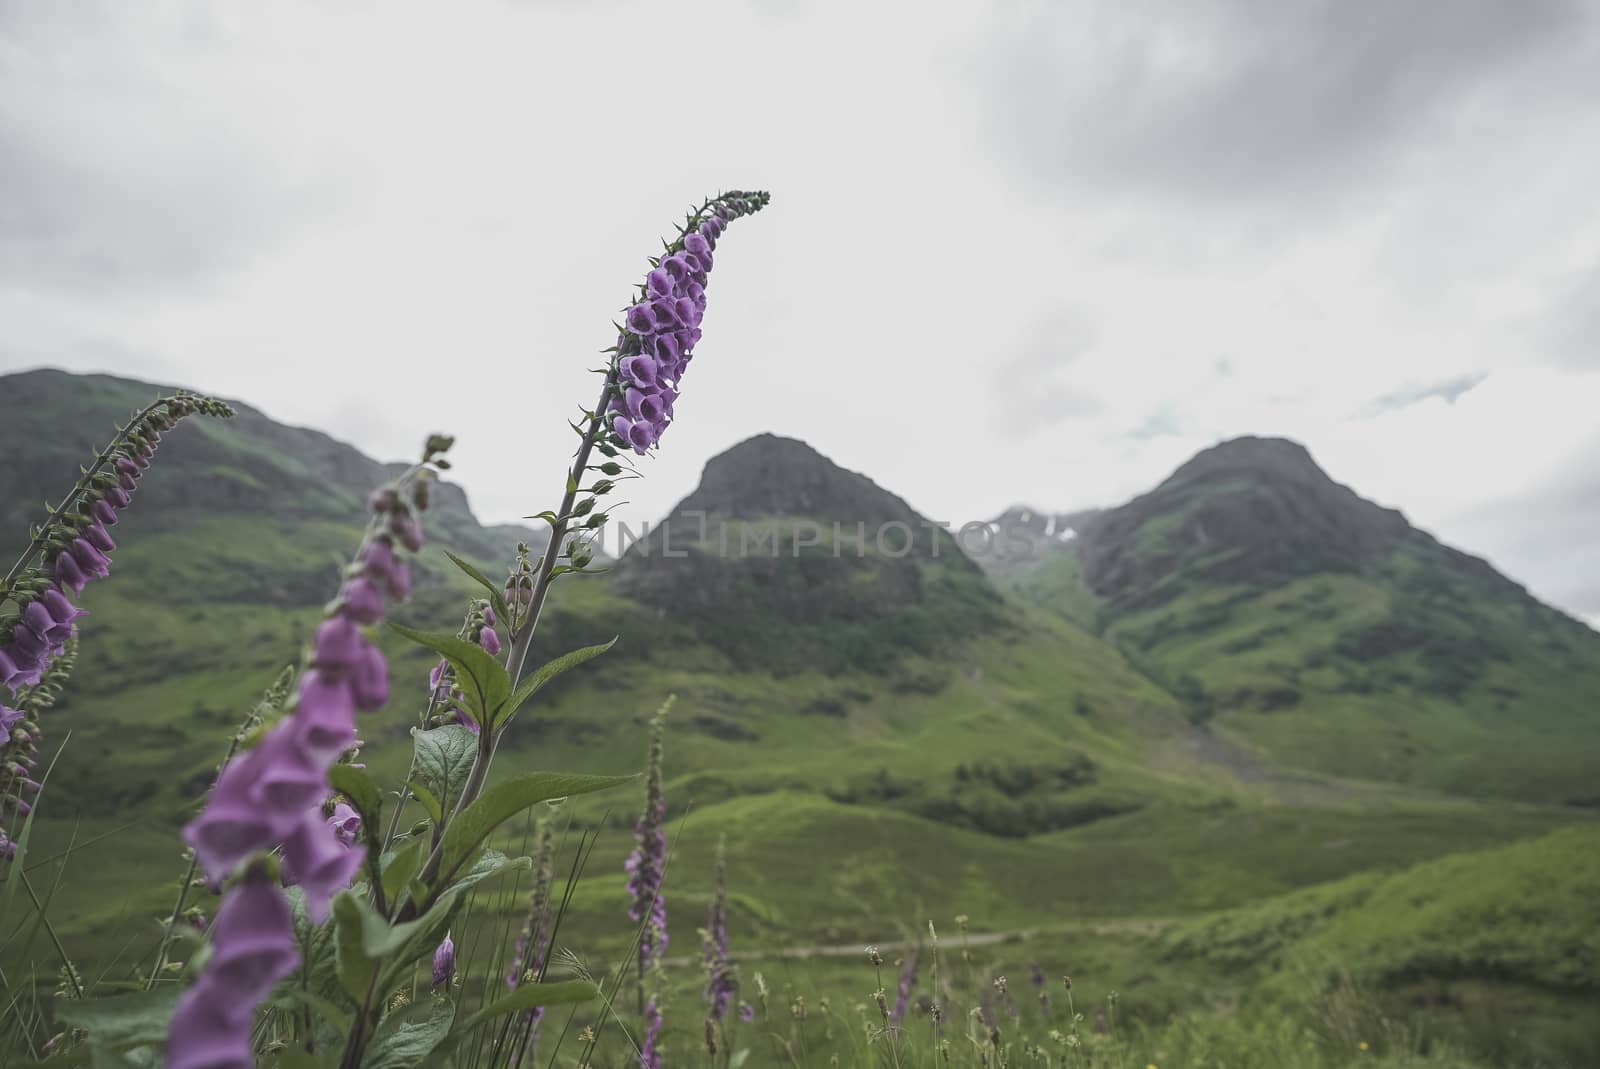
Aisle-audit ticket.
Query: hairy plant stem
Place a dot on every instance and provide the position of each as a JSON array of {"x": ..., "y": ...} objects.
[
  {"x": 489, "y": 738},
  {"x": 516, "y": 659}
]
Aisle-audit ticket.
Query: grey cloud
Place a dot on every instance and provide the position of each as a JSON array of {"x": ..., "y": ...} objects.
[
  {"x": 115, "y": 179},
  {"x": 1571, "y": 326},
  {"x": 1026, "y": 390},
  {"x": 1544, "y": 537},
  {"x": 1237, "y": 98},
  {"x": 1448, "y": 390}
]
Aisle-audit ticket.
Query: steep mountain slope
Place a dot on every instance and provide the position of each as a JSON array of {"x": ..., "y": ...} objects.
[
  {"x": 1332, "y": 632},
  {"x": 786, "y": 561}
]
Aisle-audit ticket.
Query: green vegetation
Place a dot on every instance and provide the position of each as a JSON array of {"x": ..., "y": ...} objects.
[{"x": 1382, "y": 769}]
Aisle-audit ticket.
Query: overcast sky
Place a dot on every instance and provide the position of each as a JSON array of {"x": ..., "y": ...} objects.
[{"x": 1016, "y": 253}]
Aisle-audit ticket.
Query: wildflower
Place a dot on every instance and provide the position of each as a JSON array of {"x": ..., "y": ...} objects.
[
  {"x": 444, "y": 962},
  {"x": 272, "y": 797},
  {"x": 1362, "y": 1045},
  {"x": 874, "y": 956},
  {"x": 645, "y": 866},
  {"x": 747, "y": 1012},
  {"x": 908, "y": 980},
  {"x": 649, "y": 1057},
  {"x": 252, "y": 949},
  {"x": 722, "y": 983},
  {"x": 662, "y": 327},
  {"x": 489, "y": 641}
]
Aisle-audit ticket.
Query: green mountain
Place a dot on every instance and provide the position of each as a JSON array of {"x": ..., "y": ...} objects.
[
  {"x": 1098, "y": 728},
  {"x": 1289, "y": 612}
]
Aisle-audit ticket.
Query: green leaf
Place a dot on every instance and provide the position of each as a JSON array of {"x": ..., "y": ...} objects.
[
  {"x": 319, "y": 964},
  {"x": 482, "y": 679},
  {"x": 361, "y": 789},
  {"x": 427, "y": 798},
  {"x": 489, "y": 864},
  {"x": 299, "y": 1059},
  {"x": 443, "y": 758},
  {"x": 529, "y": 996},
  {"x": 290, "y": 997},
  {"x": 401, "y": 866},
  {"x": 467, "y": 831},
  {"x": 121, "y": 1020},
  {"x": 495, "y": 597},
  {"x": 412, "y": 1041},
  {"x": 547, "y": 672},
  {"x": 351, "y": 916}
]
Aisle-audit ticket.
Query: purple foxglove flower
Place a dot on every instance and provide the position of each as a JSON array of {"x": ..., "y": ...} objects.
[
  {"x": 118, "y": 497},
  {"x": 378, "y": 556},
  {"x": 339, "y": 646},
  {"x": 639, "y": 435},
  {"x": 280, "y": 774},
  {"x": 369, "y": 683},
  {"x": 8, "y": 719},
  {"x": 404, "y": 526},
  {"x": 466, "y": 721},
  {"x": 489, "y": 641},
  {"x": 252, "y": 946},
  {"x": 325, "y": 719},
  {"x": 639, "y": 371},
  {"x": 10, "y": 671},
  {"x": 641, "y": 319},
  {"x": 488, "y": 615},
  {"x": 91, "y": 560},
  {"x": 444, "y": 962},
  {"x": 665, "y": 311},
  {"x": 128, "y": 483},
  {"x": 126, "y": 466},
  {"x": 314, "y": 858},
  {"x": 695, "y": 244},
  {"x": 658, "y": 283},
  {"x": 28, "y": 643},
  {"x": 688, "y": 311},
  {"x": 68, "y": 574},
  {"x": 436, "y": 677},
  {"x": 345, "y": 822},
  {"x": 203, "y": 1035},
  {"x": 677, "y": 265},
  {"x": 97, "y": 536},
  {"x": 104, "y": 513},
  {"x": 245, "y": 813},
  {"x": 652, "y": 409},
  {"x": 666, "y": 349},
  {"x": 908, "y": 979},
  {"x": 649, "y": 1057},
  {"x": 62, "y": 616},
  {"x": 631, "y": 402},
  {"x": 8, "y": 849},
  {"x": 696, "y": 293},
  {"x": 747, "y": 1012},
  {"x": 362, "y": 602}
]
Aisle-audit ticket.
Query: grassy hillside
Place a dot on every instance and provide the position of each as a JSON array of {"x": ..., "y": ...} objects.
[
  {"x": 883, "y": 738},
  {"x": 1284, "y": 610}
]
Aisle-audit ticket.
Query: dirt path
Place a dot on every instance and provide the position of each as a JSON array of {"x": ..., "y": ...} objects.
[{"x": 947, "y": 943}]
